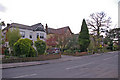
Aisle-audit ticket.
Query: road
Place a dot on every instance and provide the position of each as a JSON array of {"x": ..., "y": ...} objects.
[{"x": 92, "y": 66}]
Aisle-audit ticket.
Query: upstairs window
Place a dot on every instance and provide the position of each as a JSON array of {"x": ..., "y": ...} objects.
[
  {"x": 37, "y": 35},
  {"x": 30, "y": 35},
  {"x": 22, "y": 33},
  {"x": 41, "y": 35}
]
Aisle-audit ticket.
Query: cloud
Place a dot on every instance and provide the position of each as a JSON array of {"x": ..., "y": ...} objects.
[{"x": 2, "y": 8}]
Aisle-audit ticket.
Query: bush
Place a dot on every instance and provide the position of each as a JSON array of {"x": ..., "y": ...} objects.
[
  {"x": 69, "y": 51},
  {"x": 32, "y": 52},
  {"x": 23, "y": 47},
  {"x": 40, "y": 46},
  {"x": 6, "y": 52},
  {"x": 45, "y": 53},
  {"x": 28, "y": 40}
]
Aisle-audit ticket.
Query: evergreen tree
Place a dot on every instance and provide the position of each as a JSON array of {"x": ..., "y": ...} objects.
[{"x": 84, "y": 37}]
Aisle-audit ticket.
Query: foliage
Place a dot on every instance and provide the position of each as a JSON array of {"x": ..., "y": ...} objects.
[
  {"x": 45, "y": 53},
  {"x": 52, "y": 41},
  {"x": 72, "y": 42},
  {"x": 23, "y": 48},
  {"x": 114, "y": 34},
  {"x": 106, "y": 40},
  {"x": 92, "y": 45},
  {"x": 84, "y": 37},
  {"x": 68, "y": 51},
  {"x": 6, "y": 51},
  {"x": 98, "y": 23},
  {"x": 40, "y": 46},
  {"x": 110, "y": 46},
  {"x": 28, "y": 40},
  {"x": 32, "y": 52},
  {"x": 0, "y": 37},
  {"x": 1, "y": 24},
  {"x": 12, "y": 36},
  {"x": 62, "y": 40}
]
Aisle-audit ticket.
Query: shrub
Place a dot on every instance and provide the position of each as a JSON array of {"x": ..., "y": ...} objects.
[
  {"x": 69, "y": 51},
  {"x": 6, "y": 51},
  {"x": 45, "y": 53},
  {"x": 32, "y": 52},
  {"x": 40, "y": 46},
  {"x": 28, "y": 40},
  {"x": 23, "y": 48}
]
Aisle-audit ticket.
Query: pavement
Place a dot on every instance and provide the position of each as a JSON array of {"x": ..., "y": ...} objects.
[
  {"x": 91, "y": 66},
  {"x": 33, "y": 63}
]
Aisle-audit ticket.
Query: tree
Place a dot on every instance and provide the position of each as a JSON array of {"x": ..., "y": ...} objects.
[
  {"x": 1, "y": 24},
  {"x": 12, "y": 36},
  {"x": 62, "y": 40},
  {"x": 52, "y": 41},
  {"x": 99, "y": 23},
  {"x": 40, "y": 46},
  {"x": 92, "y": 45},
  {"x": 72, "y": 42},
  {"x": 114, "y": 35},
  {"x": 84, "y": 37}
]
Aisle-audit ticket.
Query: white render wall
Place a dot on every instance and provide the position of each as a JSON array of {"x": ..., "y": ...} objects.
[{"x": 34, "y": 34}]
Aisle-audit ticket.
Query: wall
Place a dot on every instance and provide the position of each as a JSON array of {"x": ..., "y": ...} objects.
[{"x": 27, "y": 59}]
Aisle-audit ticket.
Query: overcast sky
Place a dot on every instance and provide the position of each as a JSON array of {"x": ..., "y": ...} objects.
[{"x": 56, "y": 13}]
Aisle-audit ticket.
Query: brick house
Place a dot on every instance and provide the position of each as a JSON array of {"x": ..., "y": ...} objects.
[{"x": 54, "y": 34}]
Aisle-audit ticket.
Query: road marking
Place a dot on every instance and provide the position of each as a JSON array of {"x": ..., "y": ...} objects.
[
  {"x": 110, "y": 57},
  {"x": 24, "y": 76},
  {"x": 79, "y": 66}
]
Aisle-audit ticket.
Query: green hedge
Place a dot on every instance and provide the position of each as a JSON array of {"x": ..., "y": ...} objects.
[
  {"x": 40, "y": 46},
  {"x": 23, "y": 48}
]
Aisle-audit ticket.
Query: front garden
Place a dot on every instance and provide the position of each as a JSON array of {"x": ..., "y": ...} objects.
[{"x": 24, "y": 51}]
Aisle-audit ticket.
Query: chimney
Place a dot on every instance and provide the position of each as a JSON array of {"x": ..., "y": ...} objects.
[{"x": 46, "y": 28}]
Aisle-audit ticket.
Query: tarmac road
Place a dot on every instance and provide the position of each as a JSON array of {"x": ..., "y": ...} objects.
[{"x": 92, "y": 66}]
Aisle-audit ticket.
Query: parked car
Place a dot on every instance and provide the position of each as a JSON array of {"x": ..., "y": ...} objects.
[{"x": 53, "y": 50}]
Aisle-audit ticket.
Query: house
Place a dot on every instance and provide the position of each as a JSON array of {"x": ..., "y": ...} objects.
[
  {"x": 56, "y": 35},
  {"x": 30, "y": 32},
  {"x": 64, "y": 30}
]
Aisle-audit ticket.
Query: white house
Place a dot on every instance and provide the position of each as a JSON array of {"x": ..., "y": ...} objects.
[{"x": 30, "y": 32}]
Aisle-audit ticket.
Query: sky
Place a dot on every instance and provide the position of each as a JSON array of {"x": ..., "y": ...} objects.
[{"x": 56, "y": 13}]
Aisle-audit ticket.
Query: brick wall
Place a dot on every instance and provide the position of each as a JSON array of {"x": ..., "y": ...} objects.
[{"x": 27, "y": 59}]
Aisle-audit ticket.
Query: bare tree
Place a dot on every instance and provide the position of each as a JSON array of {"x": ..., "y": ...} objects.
[{"x": 98, "y": 23}]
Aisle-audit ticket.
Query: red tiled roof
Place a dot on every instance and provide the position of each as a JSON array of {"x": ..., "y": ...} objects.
[{"x": 59, "y": 31}]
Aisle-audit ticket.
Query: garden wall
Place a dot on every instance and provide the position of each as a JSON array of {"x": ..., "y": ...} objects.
[
  {"x": 81, "y": 53},
  {"x": 27, "y": 59},
  {"x": 76, "y": 54}
]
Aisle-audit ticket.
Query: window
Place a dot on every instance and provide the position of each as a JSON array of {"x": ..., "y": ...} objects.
[
  {"x": 37, "y": 35},
  {"x": 22, "y": 33},
  {"x": 30, "y": 35},
  {"x": 41, "y": 35}
]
